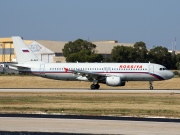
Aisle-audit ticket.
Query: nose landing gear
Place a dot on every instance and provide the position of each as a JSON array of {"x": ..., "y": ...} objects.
[{"x": 151, "y": 86}]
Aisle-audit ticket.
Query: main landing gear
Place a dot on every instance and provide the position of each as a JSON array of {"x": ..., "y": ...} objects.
[
  {"x": 95, "y": 86},
  {"x": 151, "y": 86}
]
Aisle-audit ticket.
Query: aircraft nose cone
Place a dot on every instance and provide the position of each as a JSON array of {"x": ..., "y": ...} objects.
[{"x": 170, "y": 75}]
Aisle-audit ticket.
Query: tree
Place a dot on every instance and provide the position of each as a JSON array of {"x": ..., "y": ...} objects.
[
  {"x": 137, "y": 53},
  {"x": 177, "y": 61},
  {"x": 122, "y": 54},
  {"x": 141, "y": 52},
  {"x": 160, "y": 55},
  {"x": 174, "y": 62},
  {"x": 81, "y": 51},
  {"x": 76, "y": 46}
]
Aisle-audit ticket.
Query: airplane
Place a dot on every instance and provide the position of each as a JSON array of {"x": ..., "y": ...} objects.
[{"x": 111, "y": 74}]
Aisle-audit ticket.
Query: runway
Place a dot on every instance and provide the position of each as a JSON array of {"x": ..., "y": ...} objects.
[
  {"x": 92, "y": 91},
  {"x": 88, "y": 126},
  {"x": 65, "y": 125}
]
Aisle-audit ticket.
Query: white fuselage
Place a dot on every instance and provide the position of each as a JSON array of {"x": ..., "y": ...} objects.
[{"x": 126, "y": 71}]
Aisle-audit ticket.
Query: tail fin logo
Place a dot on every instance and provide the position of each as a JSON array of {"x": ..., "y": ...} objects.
[{"x": 25, "y": 50}]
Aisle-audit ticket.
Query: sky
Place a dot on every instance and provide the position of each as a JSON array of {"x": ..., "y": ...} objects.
[{"x": 155, "y": 22}]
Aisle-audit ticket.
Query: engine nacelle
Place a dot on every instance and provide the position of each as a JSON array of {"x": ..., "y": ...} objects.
[
  {"x": 114, "y": 81},
  {"x": 82, "y": 78}
]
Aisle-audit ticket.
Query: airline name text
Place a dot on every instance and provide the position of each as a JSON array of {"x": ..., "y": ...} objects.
[{"x": 130, "y": 66}]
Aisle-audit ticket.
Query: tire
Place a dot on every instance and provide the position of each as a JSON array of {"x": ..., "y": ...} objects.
[
  {"x": 93, "y": 86},
  {"x": 97, "y": 86}
]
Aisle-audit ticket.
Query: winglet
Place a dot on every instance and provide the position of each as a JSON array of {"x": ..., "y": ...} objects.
[{"x": 23, "y": 52}]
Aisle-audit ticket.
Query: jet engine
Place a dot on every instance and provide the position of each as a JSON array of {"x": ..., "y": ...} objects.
[
  {"x": 114, "y": 81},
  {"x": 82, "y": 78}
]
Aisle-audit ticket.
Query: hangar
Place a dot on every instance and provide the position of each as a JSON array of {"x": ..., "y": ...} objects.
[{"x": 51, "y": 51}]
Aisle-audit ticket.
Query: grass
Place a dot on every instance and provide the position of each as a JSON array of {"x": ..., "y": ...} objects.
[
  {"x": 115, "y": 104},
  {"x": 38, "y": 82}
]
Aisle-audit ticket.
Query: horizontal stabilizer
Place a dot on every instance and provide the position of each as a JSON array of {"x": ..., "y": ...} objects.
[{"x": 17, "y": 67}]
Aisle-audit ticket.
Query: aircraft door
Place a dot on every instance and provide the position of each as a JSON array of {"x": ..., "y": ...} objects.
[
  {"x": 151, "y": 68},
  {"x": 41, "y": 70}
]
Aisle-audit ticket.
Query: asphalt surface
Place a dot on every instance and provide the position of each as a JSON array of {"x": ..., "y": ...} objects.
[
  {"x": 72, "y": 124},
  {"x": 91, "y": 91}
]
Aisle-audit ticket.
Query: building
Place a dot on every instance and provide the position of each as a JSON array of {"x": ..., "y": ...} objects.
[
  {"x": 6, "y": 50},
  {"x": 51, "y": 51}
]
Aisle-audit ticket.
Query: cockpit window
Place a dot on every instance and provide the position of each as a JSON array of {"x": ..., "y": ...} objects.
[{"x": 163, "y": 69}]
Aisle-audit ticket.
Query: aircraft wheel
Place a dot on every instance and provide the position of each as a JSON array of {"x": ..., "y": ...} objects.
[
  {"x": 97, "y": 86},
  {"x": 151, "y": 86},
  {"x": 93, "y": 86}
]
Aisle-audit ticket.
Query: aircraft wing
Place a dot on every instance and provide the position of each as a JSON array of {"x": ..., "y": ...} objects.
[{"x": 89, "y": 75}]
